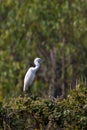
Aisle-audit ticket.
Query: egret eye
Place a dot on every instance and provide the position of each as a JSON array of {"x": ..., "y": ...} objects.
[{"x": 40, "y": 60}]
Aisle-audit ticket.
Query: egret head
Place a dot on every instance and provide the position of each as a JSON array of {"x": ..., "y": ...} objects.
[{"x": 37, "y": 61}]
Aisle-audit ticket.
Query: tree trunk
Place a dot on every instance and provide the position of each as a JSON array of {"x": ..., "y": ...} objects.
[{"x": 64, "y": 74}]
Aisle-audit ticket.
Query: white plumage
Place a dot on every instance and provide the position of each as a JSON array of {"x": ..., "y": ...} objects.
[{"x": 30, "y": 75}]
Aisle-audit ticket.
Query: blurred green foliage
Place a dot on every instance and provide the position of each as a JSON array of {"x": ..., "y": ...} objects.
[
  {"x": 54, "y": 30},
  {"x": 46, "y": 114}
]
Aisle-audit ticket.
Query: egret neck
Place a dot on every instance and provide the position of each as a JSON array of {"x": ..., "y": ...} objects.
[{"x": 37, "y": 65}]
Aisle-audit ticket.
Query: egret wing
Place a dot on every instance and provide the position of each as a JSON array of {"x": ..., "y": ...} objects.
[{"x": 29, "y": 77}]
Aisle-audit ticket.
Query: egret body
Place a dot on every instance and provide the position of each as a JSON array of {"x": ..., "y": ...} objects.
[{"x": 30, "y": 74}]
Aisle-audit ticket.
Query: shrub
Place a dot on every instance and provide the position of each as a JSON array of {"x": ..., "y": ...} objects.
[{"x": 30, "y": 113}]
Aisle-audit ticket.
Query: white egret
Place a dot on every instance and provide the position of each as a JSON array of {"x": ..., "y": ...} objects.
[{"x": 30, "y": 75}]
